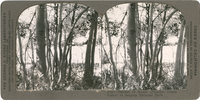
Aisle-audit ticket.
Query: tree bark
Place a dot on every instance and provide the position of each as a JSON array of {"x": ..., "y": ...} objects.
[
  {"x": 111, "y": 55},
  {"x": 40, "y": 37},
  {"x": 178, "y": 67},
  {"x": 183, "y": 56},
  {"x": 89, "y": 59},
  {"x": 94, "y": 43},
  {"x": 131, "y": 32},
  {"x": 60, "y": 29},
  {"x": 55, "y": 41},
  {"x": 25, "y": 82}
]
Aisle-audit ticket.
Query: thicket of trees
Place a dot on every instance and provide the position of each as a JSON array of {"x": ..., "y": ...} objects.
[{"x": 67, "y": 46}]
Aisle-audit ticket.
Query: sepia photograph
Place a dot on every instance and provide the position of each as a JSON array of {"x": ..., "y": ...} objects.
[{"x": 69, "y": 46}]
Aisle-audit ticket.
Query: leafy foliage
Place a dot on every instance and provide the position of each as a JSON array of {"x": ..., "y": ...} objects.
[{"x": 67, "y": 32}]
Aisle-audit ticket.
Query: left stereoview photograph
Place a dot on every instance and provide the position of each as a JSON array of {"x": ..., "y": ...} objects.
[
  {"x": 68, "y": 46},
  {"x": 51, "y": 46}
]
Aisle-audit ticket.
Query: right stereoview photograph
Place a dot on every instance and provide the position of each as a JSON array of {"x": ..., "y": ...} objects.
[
  {"x": 148, "y": 47},
  {"x": 133, "y": 46}
]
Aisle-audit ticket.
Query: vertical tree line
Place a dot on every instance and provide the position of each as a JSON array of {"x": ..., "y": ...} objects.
[
  {"x": 64, "y": 40},
  {"x": 89, "y": 59}
]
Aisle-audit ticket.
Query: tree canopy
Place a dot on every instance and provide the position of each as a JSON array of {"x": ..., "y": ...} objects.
[{"x": 67, "y": 46}]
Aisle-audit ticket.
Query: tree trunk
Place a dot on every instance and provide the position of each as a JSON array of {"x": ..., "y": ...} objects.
[
  {"x": 183, "y": 56},
  {"x": 131, "y": 32},
  {"x": 70, "y": 63},
  {"x": 89, "y": 59},
  {"x": 177, "y": 73},
  {"x": 25, "y": 82},
  {"x": 48, "y": 46},
  {"x": 94, "y": 43},
  {"x": 60, "y": 29},
  {"x": 125, "y": 62},
  {"x": 111, "y": 55},
  {"x": 55, "y": 61},
  {"x": 40, "y": 37},
  {"x": 34, "y": 65},
  {"x": 62, "y": 67},
  {"x": 161, "y": 66}
]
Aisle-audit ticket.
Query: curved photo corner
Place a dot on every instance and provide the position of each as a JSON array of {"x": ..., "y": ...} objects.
[{"x": 134, "y": 46}]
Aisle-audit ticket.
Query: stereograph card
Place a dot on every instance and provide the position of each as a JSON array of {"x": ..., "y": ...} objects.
[{"x": 100, "y": 49}]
